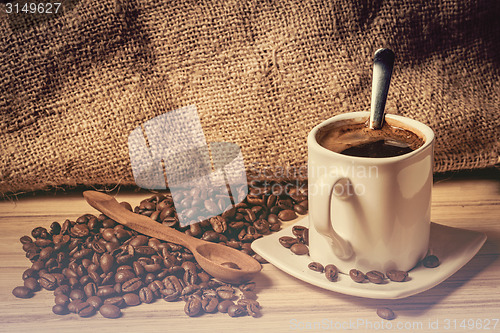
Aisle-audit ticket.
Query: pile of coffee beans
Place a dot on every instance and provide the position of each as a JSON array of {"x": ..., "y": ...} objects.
[{"x": 94, "y": 264}]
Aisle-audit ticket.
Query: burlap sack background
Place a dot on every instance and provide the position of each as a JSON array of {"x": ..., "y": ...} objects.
[{"x": 261, "y": 73}]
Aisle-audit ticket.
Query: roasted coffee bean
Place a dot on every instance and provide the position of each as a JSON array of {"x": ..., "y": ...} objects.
[
  {"x": 110, "y": 311},
  {"x": 62, "y": 300},
  {"x": 146, "y": 295},
  {"x": 357, "y": 276},
  {"x": 224, "y": 305},
  {"x": 62, "y": 290},
  {"x": 218, "y": 224},
  {"x": 116, "y": 300},
  {"x": 106, "y": 262},
  {"x": 300, "y": 209},
  {"x": 84, "y": 309},
  {"x": 132, "y": 285},
  {"x": 431, "y": 261},
  {"x": 273, "y": 219},
  {"x": 299, "y": 249},
  {"x": 261, "y": 226},
  {"x": 397, "y": 276},
  {"x": 90, "y": 289},
  {"x": 95, "y": 301},
  {"x": 105, "y": 291},
  {"x": 209, "y": 304},
  {"x": 26, "y": 240},
  {"x": 287, "y": 241},
  {"x": 331, "y": 272},
  {"x": 225, "y": 292},
  {"x": 193, "y": 307},
  {"x": 316, "y": 266},
  {"x": 72, "y": 306},
  {"x": 386, "y": 313},
  {"x": 60, "y": 309},
  {"x": 170, "y": 295},
  {"x": 156, "y": 287},
  {"x": 32, "y": 284},
  {"x": 30, "y": 272},
  {"x": 235, "y": 310},
  {"x": 375, "y": 277},
  {"x": 253, "y": 310},
  {"x": 287, "y": 215},
  {"x": 47, "y": 281},
  {"x": 80, "y": 230},
  {"x": 77, "y": 294},
  {"x": 131, "y": 299},
  {"x": 248, "y": 294},
  {"x": 22, "y": 292}
]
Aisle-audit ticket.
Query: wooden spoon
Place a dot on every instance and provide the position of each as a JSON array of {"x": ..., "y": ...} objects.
[{"x": 210, "y": 256}]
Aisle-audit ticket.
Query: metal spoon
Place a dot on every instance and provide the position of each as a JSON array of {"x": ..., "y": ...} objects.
[
  {"x": 210, "y": 256},
  {"x": 383, "y": 62}
]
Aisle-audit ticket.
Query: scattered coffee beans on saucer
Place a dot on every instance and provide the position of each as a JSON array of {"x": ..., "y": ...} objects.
[{"x": 431, "y": 261}]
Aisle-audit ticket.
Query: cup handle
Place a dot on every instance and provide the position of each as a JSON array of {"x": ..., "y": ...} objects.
[{"x": 322, "y": 222}]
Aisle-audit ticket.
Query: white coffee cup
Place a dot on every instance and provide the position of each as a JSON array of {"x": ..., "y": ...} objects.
[{"x": 370, "y": 213}]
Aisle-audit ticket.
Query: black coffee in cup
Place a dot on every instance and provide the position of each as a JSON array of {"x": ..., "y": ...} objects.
[{"x": 357, "y": 139}]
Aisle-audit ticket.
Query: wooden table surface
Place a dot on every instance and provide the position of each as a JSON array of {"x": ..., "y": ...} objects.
[{"x": 467, "y": 301}]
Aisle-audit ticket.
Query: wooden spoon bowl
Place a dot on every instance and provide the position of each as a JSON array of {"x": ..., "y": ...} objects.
[{"x": 212, "y": 257}]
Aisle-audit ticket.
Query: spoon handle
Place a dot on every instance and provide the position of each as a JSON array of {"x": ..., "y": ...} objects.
[
  {"x": 108, "y": 205},
  {"x": 383, "y": 62}
]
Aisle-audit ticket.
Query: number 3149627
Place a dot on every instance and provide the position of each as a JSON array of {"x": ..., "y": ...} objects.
[{"x": 32, "y": 8}]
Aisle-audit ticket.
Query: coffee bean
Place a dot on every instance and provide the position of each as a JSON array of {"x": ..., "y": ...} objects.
[
  {"x": 146, "y": 295},
  {"x": 300, "y": 209},
  {"x": 62, "y": 300},
  {"x": 357, "y": 276},
  {"x": 397, "y": 276},
  {"x": 26, "y": 240},
  {"x": 386, "y": 313},
  {"x": 431, "y": 261},
  {"x": 110, "y": 311},
  {"x": 299, "y": 249},
  {"x": 331, "y": 272},
  {"x": 132, "y": 285},
  {"x": 250, "y": 286},
  {"x": 287, "y": 241},
  {"x": 287, "y": 215},
  {"x": 116, "y": 300},
  {"x": 106, "y": 262},
  {"x": 248, "y": 294},
  {"x": 209, "y": 304},
  {"x": 375, "y": 277},
  {"x": 235, "y": 310},
  {"x": 170, "y": 295},
  {"x": 72, "y": 306},
  {"x": 47, "y": 281},
  {"x": 95, "y": 301},
  {"x": 90, "y": 289},
  {"x": 225, "y": 292},
  {"x": 32, "y": 284},
  {"x": 77, "y": 294},
  {"x": 316, "y": 266},
  {"x": 22, "y": 292},
  {"x": 193, "y": 307},
  {"x": 131, "y": 299},
  {"x": 224, "y": 305},
  {"x": 62, "y": 290},
  {"x": 60, "y": 309}
]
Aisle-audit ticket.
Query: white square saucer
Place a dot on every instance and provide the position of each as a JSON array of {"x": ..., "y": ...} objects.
[{"x": 454, "y": 247}]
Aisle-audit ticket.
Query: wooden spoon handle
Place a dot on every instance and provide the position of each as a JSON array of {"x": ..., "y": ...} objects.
[{"x": 108, "y": 205}]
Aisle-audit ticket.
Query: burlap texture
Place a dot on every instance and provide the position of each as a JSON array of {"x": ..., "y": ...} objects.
[{"x": 261, "y": 74}]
